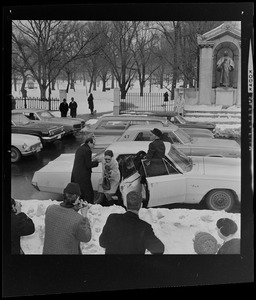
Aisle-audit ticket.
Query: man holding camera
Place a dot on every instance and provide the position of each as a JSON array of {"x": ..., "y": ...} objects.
[{"x": 65, "y": 227}]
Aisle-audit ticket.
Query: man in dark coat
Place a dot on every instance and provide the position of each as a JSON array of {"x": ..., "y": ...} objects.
[
  {"x": 21, "y": 225},
  {"x": 73, "y": 106},
  {"x": 63, "y": 108},
  {"x": 90, "y": 102},
  {"x": 82, "y": 169},
  {"x": 127, "y": 233},
  {"x": 155, "y": 154}
]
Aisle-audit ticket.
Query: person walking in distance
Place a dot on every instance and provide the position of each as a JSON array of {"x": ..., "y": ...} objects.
[
  {"x": 63, "y": 108},
  {"x": 65, "y": 227},
  {"x": 73, "y": 107},
  {"x": 90, "y": 103},
  {"x": 82, "y": 169},
  {"x": 127, "y": 233}
]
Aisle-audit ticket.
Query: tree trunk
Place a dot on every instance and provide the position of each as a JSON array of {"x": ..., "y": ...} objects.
[
  {"x": 112, "y": 81},
  {"x": 23, "y": 90},
  {"x": 104, "y": 85},
  {"x": 94, "y": 85},
  {"x": 53, "y": 84}
]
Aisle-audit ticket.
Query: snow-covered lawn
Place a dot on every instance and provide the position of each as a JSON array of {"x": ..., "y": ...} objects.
[{"x": 176, "y": 228}]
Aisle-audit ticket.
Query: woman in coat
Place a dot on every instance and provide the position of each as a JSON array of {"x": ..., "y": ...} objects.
[
  {"x": 90, "y": 102},
  {"x": 110, "y": 169}
]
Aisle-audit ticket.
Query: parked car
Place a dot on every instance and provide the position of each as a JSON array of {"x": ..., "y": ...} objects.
[
  {"x": 47, "y": 132},
  {"x": 181, "y": 122},
  {"x": 116, "y": 125},
  {"x": 213, "y": 181},
  {"x": 191, "y": 146},
  {"x": 24, "y": 145},
  {"x": 70, "y": 125}
]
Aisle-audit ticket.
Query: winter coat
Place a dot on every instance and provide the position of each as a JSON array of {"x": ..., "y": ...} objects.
[
  {"x": 90, "y": 102},
  {"x": 63, "y": 109},
  {"x": 128, "y": 234},
  {"x": 21, "y": 225},
  {"x": 156, "y": 151},
  {"x": 82, "y": 169},
  {"x": 114, "y": 177},
  {"x": 230, "y": 247},
  {"x": 73, "y": 106},
  {"x": 64, "y": 230}
]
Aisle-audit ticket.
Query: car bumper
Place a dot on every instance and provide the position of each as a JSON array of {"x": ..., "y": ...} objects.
[{"x": 53, "y": 138}]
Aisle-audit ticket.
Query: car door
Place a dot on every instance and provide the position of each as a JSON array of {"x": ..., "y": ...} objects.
[
  {"x": 167, "y": 188},
  {"x": 130, "y": 177}
]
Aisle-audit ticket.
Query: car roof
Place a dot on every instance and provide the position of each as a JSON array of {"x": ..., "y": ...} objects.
[
  {"x": 133, "y": 147},
  {"x": 131, "y": 117},
  {"x": 171, "y": 127}
]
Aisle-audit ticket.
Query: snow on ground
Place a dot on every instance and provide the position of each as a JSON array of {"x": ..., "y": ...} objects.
[{"x": 176, "y": 228}]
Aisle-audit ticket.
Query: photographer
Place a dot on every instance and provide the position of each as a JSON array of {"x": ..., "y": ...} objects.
[{"x": 65, "y": 227}]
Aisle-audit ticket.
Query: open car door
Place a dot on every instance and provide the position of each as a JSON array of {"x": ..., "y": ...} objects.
[{"x": 167, "y": 187}]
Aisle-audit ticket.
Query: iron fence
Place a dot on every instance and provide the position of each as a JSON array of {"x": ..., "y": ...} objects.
[
  {"x": 38, "y": 103},
  {"x": 149, "y": 102}
]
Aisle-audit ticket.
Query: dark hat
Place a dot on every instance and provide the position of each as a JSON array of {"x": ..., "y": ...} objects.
[
  {"x": 157, "y": 132},
  {"x": 226, "y": 226},
  {"x": 73, "y": 188}
]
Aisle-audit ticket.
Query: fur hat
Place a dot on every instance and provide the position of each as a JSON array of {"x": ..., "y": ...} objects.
[
  {"x": 226, "y": 226},
  {"x": 157, "y": 132},
  {"x": 205, "y": 243},
  {"x": 73, "y": 188}
]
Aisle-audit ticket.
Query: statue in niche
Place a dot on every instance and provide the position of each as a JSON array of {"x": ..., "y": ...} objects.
[{"x": 225, "y": 65}]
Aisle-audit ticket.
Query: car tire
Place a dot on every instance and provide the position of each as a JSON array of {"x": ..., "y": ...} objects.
[
  {"x": 15, "y": 155},
  {"x": 98, "y": 198},
  {"x": 220, "y": 200}
]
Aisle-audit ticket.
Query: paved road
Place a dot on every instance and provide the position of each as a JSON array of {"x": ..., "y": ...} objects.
[{"x": 22, "y": 172}]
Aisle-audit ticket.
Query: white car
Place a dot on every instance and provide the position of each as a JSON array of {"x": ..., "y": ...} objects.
[
  {"x": 191, "y": 146},
  {"x": 24, "y": 145},
  {"x": 214, "y": 181}
]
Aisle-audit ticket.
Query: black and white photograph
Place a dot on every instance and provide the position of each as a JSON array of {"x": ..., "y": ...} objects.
[{"x": 128, "y": 147}]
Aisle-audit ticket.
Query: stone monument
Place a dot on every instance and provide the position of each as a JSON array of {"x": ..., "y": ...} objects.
[{"x": 220, "y": 65}]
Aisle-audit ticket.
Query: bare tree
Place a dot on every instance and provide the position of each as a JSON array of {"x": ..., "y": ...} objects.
[
  {"x": 117, "y": 52},
  {"x": 47, "y": 46}
]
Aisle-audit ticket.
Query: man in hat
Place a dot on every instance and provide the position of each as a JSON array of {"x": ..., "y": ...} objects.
[{"x": 65, "y": 228}]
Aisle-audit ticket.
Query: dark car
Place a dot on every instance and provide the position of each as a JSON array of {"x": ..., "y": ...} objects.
[
  {"x": 116, "y": 125},
  {"x": 47, "y": 133},
  {"x": 183, "y": 123},
  {"x": 71, "y": 125}
]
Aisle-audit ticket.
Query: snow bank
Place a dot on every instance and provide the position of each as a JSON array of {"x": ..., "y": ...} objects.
[{"x": 176, "y": 228}]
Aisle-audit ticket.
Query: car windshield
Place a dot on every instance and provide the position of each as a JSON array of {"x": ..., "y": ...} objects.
[
  {"x": 180, "y": 159},
  {"x": 183, "y": 136},
  {"x": 20, "y": 119},
  {"x": 45, "y": 115}
]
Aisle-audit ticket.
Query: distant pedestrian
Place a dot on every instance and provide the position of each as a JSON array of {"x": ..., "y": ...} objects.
[
  {"x": 166, "y": 97},
  {"x": 90, "y": 103},
  {"x": 73, "y": 107},
  {"x": 127, "y": 233},
  {"x": 63, "y": 108},
  {"x": 13, "y": 102},
  {"x": 82, "y": 169},
  {"x": 180, "y": 105},
  {"x": 65, "y": 228},
  {"x": 226, "y": 230},
  {"x": 21, "y": 225}
]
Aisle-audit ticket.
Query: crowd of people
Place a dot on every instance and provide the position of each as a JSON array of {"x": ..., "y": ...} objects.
[{"x": 67, "y": 225}]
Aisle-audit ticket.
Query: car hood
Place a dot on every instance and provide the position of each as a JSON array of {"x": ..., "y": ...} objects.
[
  {"x": 104, "y": 141},
  {"x": 25, "y": 138},
  {"x": 39, "y": 126},
  {"x": 216, "y": 166},
  {"x": 213, "y": 143},
  {"x": 62, "y": 121}
]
